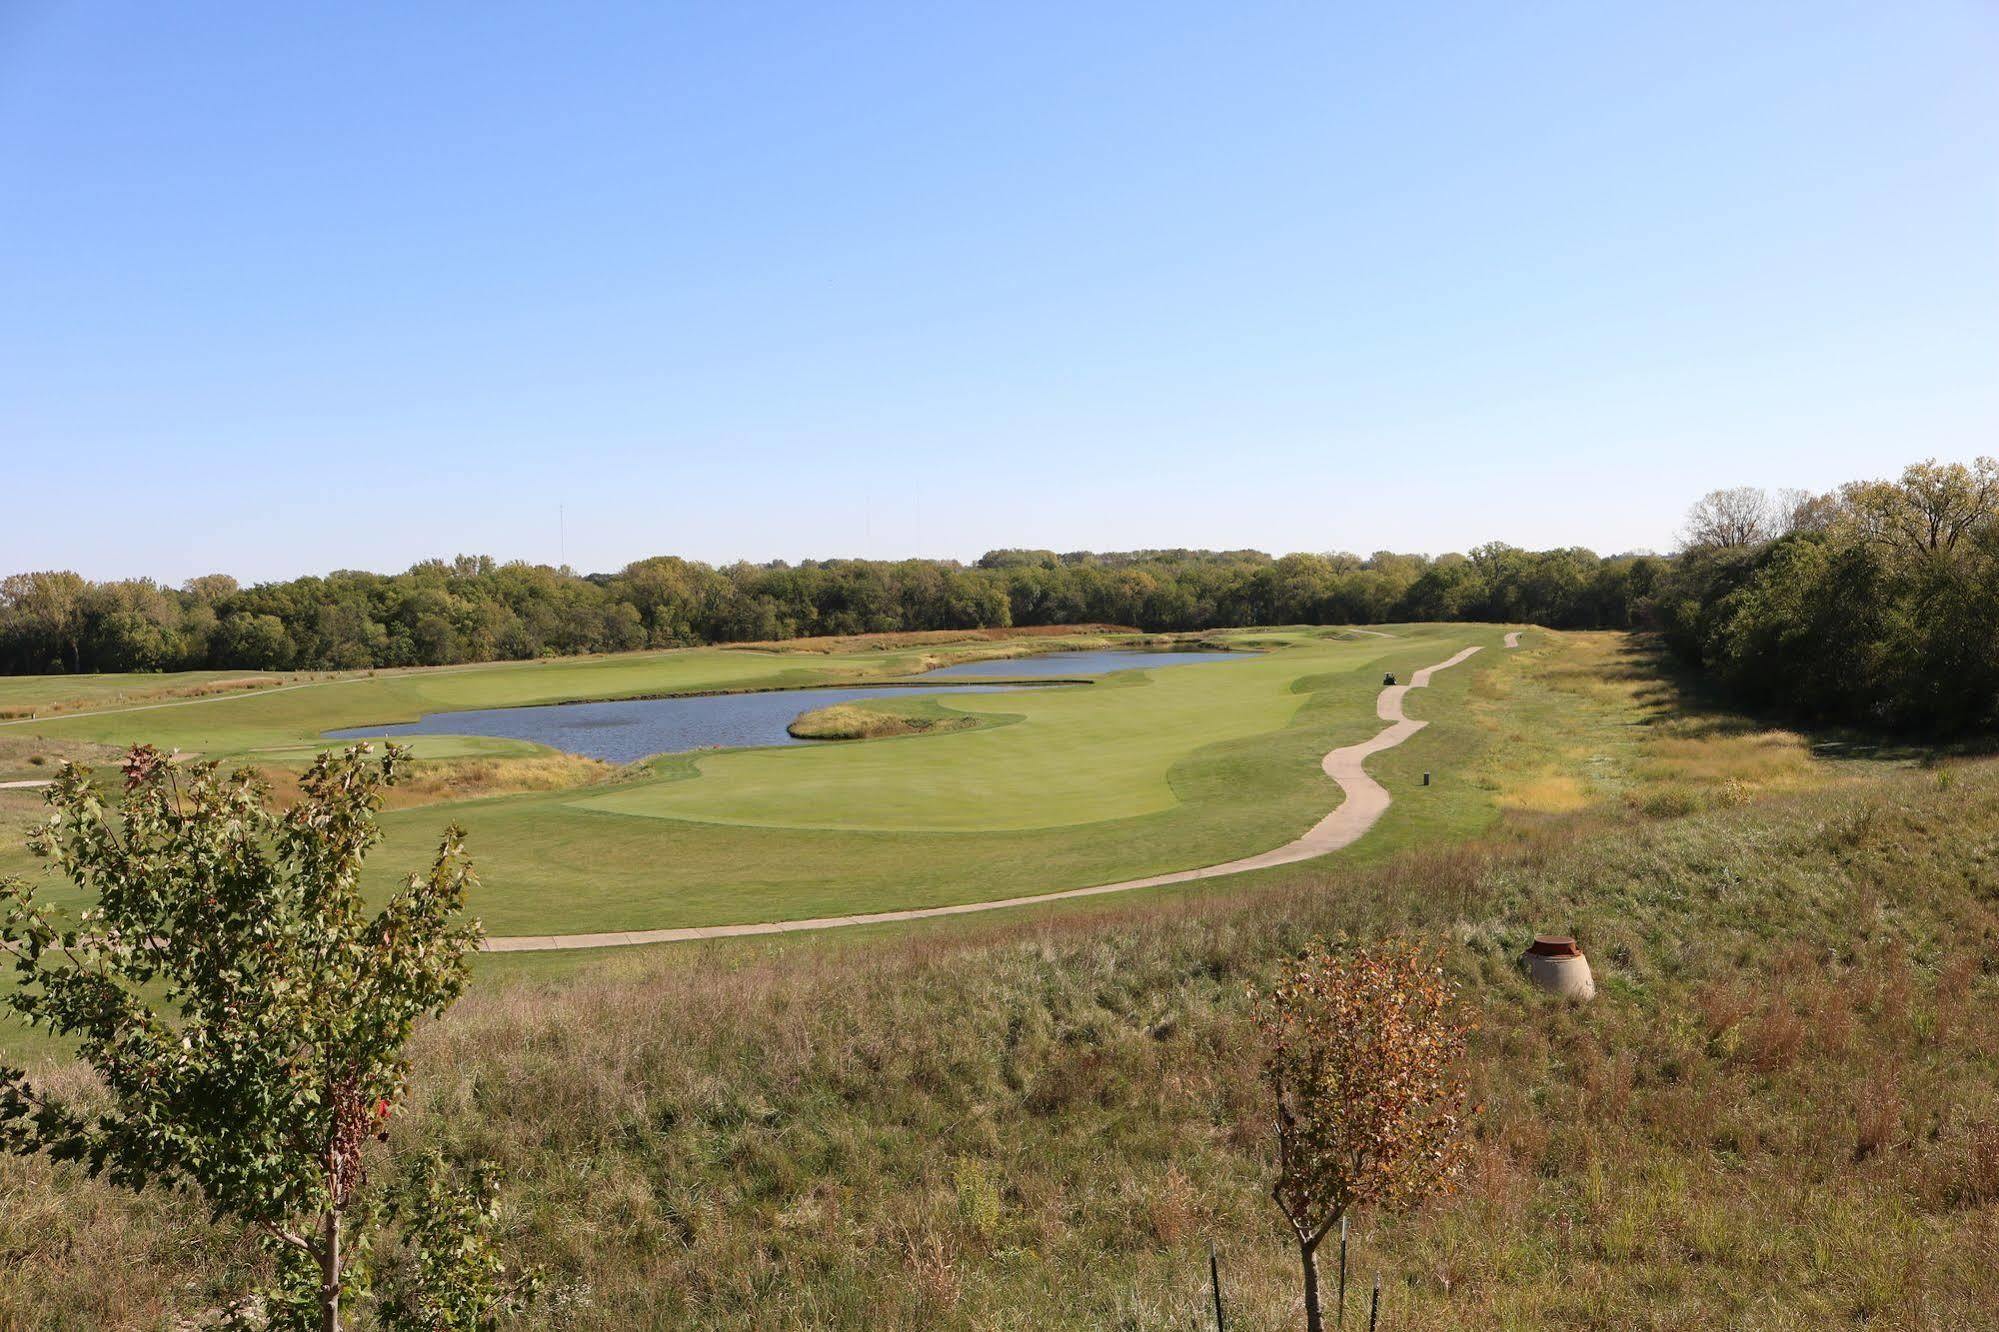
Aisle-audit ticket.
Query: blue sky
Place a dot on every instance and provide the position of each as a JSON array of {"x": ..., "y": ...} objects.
[{"x": 287, "y": 288}]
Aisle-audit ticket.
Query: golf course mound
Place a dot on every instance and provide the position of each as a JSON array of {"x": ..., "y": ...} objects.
[{"x": 852, "y": 721}]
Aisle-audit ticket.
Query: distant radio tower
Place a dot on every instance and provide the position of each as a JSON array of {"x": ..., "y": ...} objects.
[{"x": 562, "y": 535}]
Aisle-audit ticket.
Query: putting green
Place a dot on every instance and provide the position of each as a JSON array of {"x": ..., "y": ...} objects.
[{"x": 1082, "y": 754}]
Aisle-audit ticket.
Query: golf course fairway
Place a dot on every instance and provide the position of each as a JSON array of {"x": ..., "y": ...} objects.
[{"x": 1140, "y": 773}]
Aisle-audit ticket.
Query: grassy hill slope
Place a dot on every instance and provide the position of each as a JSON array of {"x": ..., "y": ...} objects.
[{"x": 1781, "y": 1112}]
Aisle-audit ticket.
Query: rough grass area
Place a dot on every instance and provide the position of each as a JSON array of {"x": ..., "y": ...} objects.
[
  {"x": 856, "y": 721},
  {"x": 1582, "y": 720},
  {"x": 32, "y": 758},
  {"x": 1781, "y": 1112},
  {"x": 31, "y": 696},
  {"x": 429, "y": 781},
  {"x": 843, "y": 643}
]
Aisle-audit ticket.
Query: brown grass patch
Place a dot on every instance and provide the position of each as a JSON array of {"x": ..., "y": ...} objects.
[
  {"x": 829, "y": 643},
  {"x": 1555, "y": 793},
  {"x": 432, "y": 781},
  {"x": 34, "y": 757},
  {"x": 126, "y": 698},
  {"x": 1706, "y": 755},
  {"x": 1586, "y": 719}
]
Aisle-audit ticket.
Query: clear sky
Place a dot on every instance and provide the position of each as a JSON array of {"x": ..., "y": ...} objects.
[{"x": 286, "y": 288}]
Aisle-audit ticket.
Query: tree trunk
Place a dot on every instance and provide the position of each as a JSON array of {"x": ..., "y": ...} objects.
[
  {"x": 1308, "y": 1256},
  {"x": 329, "y": 1273}
]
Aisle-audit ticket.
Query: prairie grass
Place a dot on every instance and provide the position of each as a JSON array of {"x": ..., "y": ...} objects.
[
  {"x": 430, "y": 781},
  {"x": 1782, "y": 1111},
  {"x": 1577, "y": 720},
  {"x": 1547, "y": 793}
]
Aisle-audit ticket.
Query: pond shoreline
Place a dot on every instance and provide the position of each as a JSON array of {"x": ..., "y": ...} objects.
[
  {"x": 743, "y": 715},
  {"x": 983, "y": 686},
  {"x": 923, "y": 678}
]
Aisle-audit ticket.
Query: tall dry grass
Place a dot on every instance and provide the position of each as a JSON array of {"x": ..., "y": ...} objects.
[
  {"x": 1586, "y": 719},
  {"x": 853, "y": 721},
  {"x": 886, "y": 642},
  {"x": 1779, "y": 1113},
  {"x": 431, "y": 781}
]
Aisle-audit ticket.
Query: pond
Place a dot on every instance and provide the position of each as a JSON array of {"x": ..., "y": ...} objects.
[{"x": 632, "y": 729}]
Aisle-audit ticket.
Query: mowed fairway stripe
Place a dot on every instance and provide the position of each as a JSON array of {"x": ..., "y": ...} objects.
[{"x": 1366, "y": 800}]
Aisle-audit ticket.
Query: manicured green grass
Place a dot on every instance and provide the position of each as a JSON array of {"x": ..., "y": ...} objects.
[
  {"x": 1142, "y": 773},
  {"x": 1082, "y": 754},
  {"x": 929, "y": 820},
  {"x": 571, "y": 861}
]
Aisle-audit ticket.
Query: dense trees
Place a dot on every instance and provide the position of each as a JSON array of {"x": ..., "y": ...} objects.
[
  {"x": 1876, "y": 603},
  {"x": 472, "y": 609},
  {"x": 1882, "y": 609}
]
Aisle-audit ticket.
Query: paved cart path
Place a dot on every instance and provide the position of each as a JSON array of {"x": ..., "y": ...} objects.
[{"x": 1366, "y": 800}]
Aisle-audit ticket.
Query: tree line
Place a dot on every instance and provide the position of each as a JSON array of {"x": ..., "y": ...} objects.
[
  {"x": 1874, "y": 603},
  {"x": 473, "y": 609}
]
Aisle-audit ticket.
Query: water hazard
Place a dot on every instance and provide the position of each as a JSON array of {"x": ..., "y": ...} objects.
[{"x": 632, "y": 729}]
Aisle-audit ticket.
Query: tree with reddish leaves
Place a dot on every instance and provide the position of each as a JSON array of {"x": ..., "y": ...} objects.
[
  {"x": 1363, "y": 1056},
  {"x": 247, "y": 1015}
]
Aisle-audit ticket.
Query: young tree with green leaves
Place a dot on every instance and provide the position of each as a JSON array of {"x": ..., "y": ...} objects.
[{"x": 248, "y": 1017}]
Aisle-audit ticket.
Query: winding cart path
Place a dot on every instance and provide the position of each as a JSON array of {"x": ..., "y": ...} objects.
[{"x": 1366, "y": 801}]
